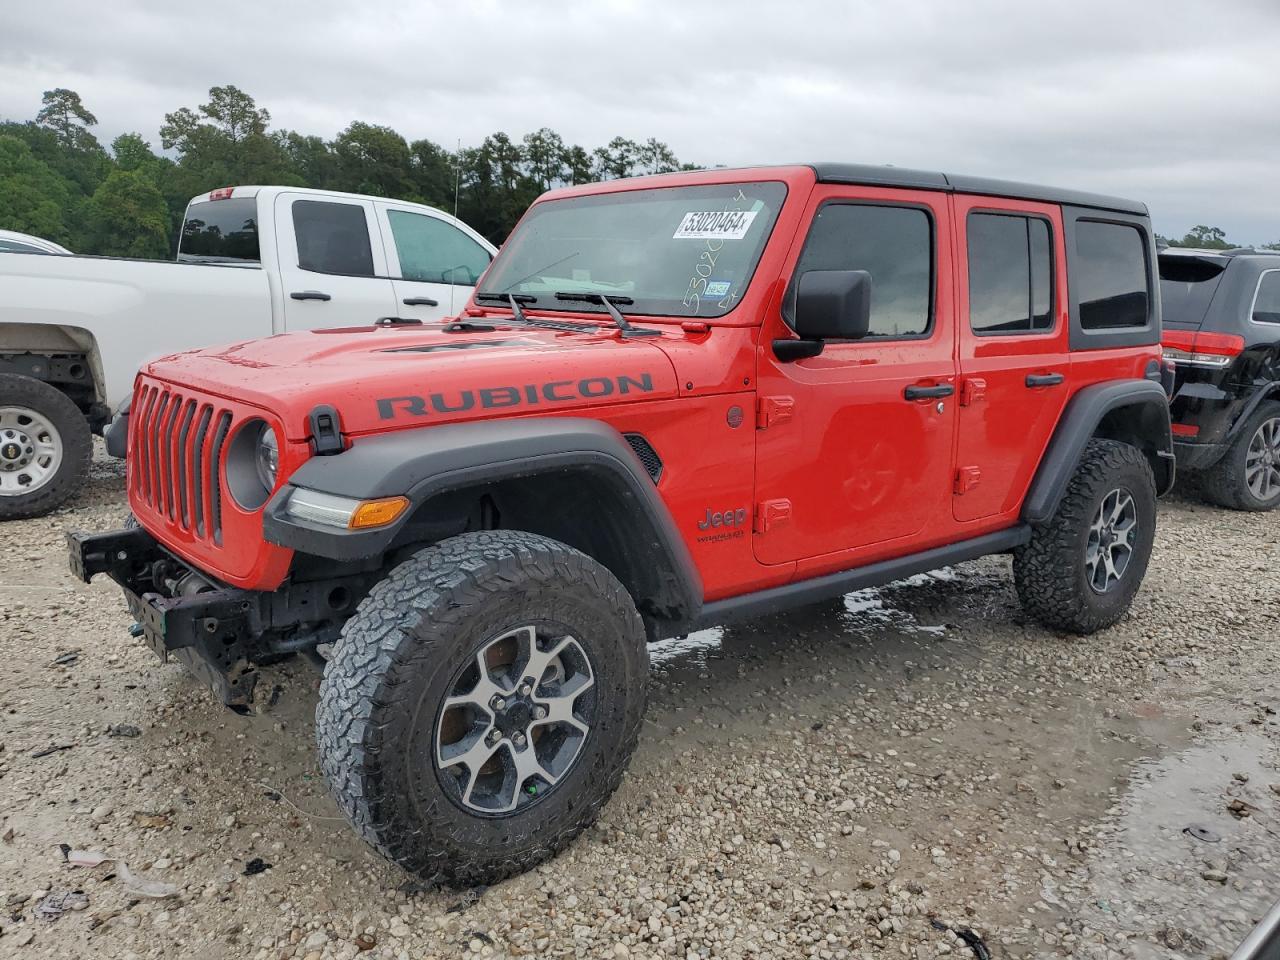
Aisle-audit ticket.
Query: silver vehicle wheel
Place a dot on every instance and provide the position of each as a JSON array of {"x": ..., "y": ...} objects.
[
  {"x": 515, "y": 720},
  {"x": 30, "y": 451},
  {"x": 1112, "y": 536},
  {"x": 1262, "y": 461}
]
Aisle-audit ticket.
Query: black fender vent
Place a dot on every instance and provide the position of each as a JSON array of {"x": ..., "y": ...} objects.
[{"x": 648, "y": 456}]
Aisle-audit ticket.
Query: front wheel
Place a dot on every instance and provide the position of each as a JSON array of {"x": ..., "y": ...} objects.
[
  {"x": 1082, "y": 568},
  {"x": 482, "y": 705},
  {"x": 45, "y": 447}
]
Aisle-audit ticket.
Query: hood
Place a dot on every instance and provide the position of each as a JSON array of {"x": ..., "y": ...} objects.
[{"x": 381, "y": 378}]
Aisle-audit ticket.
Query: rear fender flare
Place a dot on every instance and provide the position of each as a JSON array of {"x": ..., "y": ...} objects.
[
  {"x": 1265, "y": 392},
  {"x": 1134, "y": 411},
  {"x": 601, "y": 495}
]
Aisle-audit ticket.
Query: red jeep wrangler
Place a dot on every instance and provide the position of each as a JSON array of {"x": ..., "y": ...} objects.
[{"x": 672, "y": 401}]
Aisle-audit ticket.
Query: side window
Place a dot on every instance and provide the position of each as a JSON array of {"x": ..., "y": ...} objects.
[
  {"x": 1110, "y": 275},
  {"x": 434, "y": 251},
  {"x": 1266, "y": 305},
  {"x": 1010, "y": 274},
  {"x": 894, "y": 245},
  {"x": 332, "y": 238}
]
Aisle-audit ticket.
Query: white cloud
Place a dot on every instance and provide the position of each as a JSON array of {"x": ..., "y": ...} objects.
[{"x": 1169, "y": 102}]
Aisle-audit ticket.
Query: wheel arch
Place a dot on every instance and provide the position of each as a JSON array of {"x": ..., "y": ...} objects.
[
  {"x": 1131, "y": 411},
  {"x": 570, "y": 479},
  {"x": 65, "y": 357}
]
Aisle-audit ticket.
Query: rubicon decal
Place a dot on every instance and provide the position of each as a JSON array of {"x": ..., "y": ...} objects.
[{"x": 526, "y": 395}]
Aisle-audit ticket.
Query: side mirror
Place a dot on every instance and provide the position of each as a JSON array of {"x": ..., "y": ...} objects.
[{"x": 830, "y": 305}]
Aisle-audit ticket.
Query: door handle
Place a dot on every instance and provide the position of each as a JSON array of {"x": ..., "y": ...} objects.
[
  {"x": 1044, "y": 379},
  {"x": 309, "y": 295},
  {"x": 420, "y": 302},
  {"x": 919, "y": 392}
]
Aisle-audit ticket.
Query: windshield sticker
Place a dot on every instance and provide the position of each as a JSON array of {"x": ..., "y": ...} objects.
[
  {"x": 717, "y": 288},
  {"x": 714, "y": 225}
]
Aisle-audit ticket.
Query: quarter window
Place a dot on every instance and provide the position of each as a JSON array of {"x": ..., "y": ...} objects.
[
  {"x": 1266, "y": 306},
  {"x": 894, "y": 245},
  {"x": 1010, "y": 274},
  {"x": 1110, "y": 275},
  {"x": 332, "y": 238},
  {"x": 433, "y": 251}
]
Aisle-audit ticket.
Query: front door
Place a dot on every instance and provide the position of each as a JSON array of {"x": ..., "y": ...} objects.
[
  {"x": 434, "y": 262},
  {"x": 332, "y": 266},
  {"x": 854, "y": 450},
  {"x": 1014, "y": 358}
]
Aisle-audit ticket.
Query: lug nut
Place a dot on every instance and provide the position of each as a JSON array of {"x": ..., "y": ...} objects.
[
  {"x": 494, "y": 736},
  {"x": 539, "y": 713},
  {"x": 498, "y": 703},
  {"x": 518, "y": 739}
]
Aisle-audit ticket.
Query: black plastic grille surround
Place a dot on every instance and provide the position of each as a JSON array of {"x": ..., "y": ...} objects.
[{"x": 648, "y": 456}]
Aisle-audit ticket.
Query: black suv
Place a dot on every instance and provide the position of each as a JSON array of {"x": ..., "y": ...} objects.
[{"x": 1222, "y": 331}]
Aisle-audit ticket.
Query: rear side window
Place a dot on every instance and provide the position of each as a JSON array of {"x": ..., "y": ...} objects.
[
  {"x": 1110, "y": 275},
  {"x": 1266, "y": 305},
  {"x": 332, "y": 238},
  {"x": 894, "y": 245},
  {"x": 1010, "y": 274},
  {"x": 433, "y": 251},
  {"x": 221, "y": 231}
]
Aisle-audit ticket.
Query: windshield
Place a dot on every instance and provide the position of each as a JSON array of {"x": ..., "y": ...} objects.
[
  {"x": 676, "y": 251},
  {"x": 1187, "y": 285}
]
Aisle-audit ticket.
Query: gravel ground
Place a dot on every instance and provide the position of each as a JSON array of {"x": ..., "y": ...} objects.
[{"x": 838, "y": 782}]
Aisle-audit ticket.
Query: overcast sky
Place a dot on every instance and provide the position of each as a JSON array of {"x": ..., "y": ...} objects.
[{"x": 1174, "y": 103}]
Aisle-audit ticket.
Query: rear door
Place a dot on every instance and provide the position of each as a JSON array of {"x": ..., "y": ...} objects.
[
  {"x": 332, "y": 265},
  {"x": 434, "y": 261},
  {"x": 1014, "y": 355}
]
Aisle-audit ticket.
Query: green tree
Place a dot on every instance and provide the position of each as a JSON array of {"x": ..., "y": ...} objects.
[
  {"x": 128, "y": 217},
  {"x": 62, "y": 112},
  {"x": 434, "y": 173},
  {"x": 375, "y": 160},
  {"x": 34, "y": 198},
  {"x": 544, "y": 158},
  {"x": 310, "y": 158},
  {"x": 1206, "y": 238}
]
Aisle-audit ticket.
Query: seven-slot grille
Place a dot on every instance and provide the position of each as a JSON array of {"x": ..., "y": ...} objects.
[{"x": 177, "y": 446}]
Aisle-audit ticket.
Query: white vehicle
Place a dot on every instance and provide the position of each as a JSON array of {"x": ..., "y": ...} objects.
[
  {"x": 252, "y": 261},
  {"x": 13, "y": 242}
]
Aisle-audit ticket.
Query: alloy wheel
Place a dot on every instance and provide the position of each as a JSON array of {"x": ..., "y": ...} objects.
[
  {"x": 1262, "y": 460},
  {"x": 515, "y": 719},
  {"x": 1112, "y": 537}
]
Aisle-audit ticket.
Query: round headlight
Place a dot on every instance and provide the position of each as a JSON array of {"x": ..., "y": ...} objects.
[{"x": 267, "y": 457}]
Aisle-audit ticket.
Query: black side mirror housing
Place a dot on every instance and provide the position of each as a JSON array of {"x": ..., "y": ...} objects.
[{"x": 830, "y": 305}]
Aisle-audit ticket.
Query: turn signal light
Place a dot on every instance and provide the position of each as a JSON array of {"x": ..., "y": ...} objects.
[
  {"x": 378, "y": 513},
  {"x": 1202, "y": 349}
]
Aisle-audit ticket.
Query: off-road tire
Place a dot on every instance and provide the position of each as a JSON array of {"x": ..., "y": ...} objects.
[
  {"x": 1050, "y": 571},
  {"x": 77, "y": 445},
  {"x": 1224, "y": 483},
  {"x": 392, "y": 667}
]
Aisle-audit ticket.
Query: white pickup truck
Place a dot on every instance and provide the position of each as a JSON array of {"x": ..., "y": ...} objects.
[{"x": 252, "y": 261}]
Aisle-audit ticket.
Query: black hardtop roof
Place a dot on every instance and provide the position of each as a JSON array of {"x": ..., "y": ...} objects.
[{"x": 877, "y": 176}]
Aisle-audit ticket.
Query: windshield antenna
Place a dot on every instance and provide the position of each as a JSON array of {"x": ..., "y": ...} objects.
[{"x": 457, "y": 182}]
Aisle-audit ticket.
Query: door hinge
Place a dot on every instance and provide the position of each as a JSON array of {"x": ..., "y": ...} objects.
[
  {"x": 972, "y": 390},
  {"x": 967, "y": 478},
  {"x": 770, "y": 513},
  {"x": 774, "y": 410}
]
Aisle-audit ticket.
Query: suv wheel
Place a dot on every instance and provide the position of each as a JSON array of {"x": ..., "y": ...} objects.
[
  {"x": 45, "y": 447},
  {"x": 482, "y": 705},
  {"x": 1081, "y": 569},
  {"x": 1248, "y": 475}
]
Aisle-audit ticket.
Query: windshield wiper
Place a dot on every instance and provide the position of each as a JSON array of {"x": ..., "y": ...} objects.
[
  {"x": 517, "y": 313},
  {"x": 608, "y": 301}
]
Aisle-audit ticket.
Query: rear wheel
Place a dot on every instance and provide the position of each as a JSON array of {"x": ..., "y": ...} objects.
[
  {"x": 1081, "y": 569},
  {"x": 45, "y": 447},
  {"x": 482, "y": 705},
  {"x": 1248, "y": 475}
]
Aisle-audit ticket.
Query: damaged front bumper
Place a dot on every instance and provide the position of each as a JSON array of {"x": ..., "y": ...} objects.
[{"x": 220, "y": 633}]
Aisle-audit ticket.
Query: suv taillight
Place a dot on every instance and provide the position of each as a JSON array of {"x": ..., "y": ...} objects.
[{"x": 1201, "y": 349}]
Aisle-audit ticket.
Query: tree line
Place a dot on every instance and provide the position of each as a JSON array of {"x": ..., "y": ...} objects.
[
  {"x": 1209, "y": 238},
  {"x": 59, "y": 182}
]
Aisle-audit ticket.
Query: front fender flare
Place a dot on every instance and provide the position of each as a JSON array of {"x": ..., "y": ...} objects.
[
  {"x": 425, "y": 462},
  {"x": 1146, "y": 406}
]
